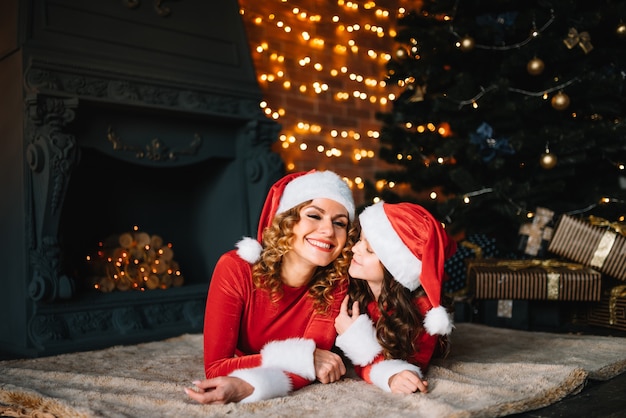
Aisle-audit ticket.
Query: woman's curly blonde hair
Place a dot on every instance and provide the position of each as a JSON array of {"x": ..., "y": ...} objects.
[{"x": 276, "y": 243}]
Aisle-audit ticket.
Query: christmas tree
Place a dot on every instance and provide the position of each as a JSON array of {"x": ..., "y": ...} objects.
[{"x": 506, "y": 106}]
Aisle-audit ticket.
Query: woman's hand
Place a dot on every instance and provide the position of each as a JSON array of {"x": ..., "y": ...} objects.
[
  {"x": 346, "y": 317},
  {"x": 220, "y": 390},
  {"x": 329, "y": 366},
  {"x": 407, "y": 382}
]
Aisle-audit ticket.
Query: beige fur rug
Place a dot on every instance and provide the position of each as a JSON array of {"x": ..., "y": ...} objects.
[{"x": 490, "y": 372}]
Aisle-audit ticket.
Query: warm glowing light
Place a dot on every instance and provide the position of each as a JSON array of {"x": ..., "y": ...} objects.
[{"x": 350, "y": 82}]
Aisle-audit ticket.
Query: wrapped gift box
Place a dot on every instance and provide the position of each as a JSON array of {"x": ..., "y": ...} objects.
[
  {"x": 610, "y": 312},
  {"x": 476, "y": 246},
  {"x": 588, "y": 243},
  {"x": 533, "y": 280}
]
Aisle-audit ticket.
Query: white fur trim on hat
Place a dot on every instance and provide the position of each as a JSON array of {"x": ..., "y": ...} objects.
[
  {"x": 268, "y": 383},
  {"x": 359, "y": 342},
  {"x": 249, "y": 249},
  {"x": 382, "y": 371},
  {"x": 438, "y": 321},
  {"x": 391, "y": 251},
  {"x": 317, "y": 185},
  {"x": 294, "y": 355}
]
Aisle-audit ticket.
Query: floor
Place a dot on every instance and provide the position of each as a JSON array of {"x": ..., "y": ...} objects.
[{"x": 596, "y": 400}]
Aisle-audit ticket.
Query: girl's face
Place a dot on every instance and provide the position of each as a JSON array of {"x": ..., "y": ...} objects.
[
  {"x": 365, "y": 264},
  {"x": 320, "y": 234}
]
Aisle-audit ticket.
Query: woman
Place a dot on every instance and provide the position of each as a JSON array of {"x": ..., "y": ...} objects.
[
  {"x": 397, "y": 267},
  {"x": 269, "y": 320}
]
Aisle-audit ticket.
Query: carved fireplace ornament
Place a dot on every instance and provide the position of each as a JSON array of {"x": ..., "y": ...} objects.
[{"x": 156, "y": 150}]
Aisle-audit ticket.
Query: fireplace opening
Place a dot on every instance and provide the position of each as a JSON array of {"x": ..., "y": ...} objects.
[{"x": 107, "y": 196}]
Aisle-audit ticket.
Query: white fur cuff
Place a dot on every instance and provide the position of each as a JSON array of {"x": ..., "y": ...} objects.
[
  {"x": 268, "y": 383},
  {"x": 382, "y": 371},
  {"x": 294, "y": 355},
  {"x": 359, "y": 341}
]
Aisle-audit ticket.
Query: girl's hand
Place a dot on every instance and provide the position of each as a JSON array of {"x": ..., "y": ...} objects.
[
  {"x": 407, "y": 382},
  {"x": 346, "y": 317},
  {"x": 220, "y": 390}
]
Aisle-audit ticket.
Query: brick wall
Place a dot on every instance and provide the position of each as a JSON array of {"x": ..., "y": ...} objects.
[{"x": 322, "y": 123}]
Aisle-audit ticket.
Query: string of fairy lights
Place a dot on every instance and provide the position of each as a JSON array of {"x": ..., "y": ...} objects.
[
  {"x": 342, "y": 54},
  {"x": 559, "y": 101}
]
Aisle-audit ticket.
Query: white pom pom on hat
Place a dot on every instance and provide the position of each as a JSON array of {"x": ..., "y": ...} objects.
[
  {"x": 290, "y": 191},
  {"x": 413, "y": 247}
]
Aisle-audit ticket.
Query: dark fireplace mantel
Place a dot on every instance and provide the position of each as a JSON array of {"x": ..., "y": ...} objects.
[{"x": 121, "y": 113}]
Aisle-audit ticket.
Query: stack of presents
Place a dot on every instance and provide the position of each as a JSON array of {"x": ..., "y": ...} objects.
[{"x": 570, "y": 270}]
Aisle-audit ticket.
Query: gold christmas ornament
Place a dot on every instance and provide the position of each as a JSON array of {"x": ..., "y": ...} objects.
[
  {"x": 535, "y": 66},
  {"x": 547, "y": 160},
  {"x": 466, "y": 44},
  {"x": 560, "y": 101},
  {"x": 621, "y": 30}
]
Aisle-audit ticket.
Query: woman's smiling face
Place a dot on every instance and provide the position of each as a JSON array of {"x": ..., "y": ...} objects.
[{"x": 321, "y": 233}]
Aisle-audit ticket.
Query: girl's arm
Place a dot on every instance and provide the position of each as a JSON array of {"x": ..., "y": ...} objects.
[{"x": 358, "y": 341}]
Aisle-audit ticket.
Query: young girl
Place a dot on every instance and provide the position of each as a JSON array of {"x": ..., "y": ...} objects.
[
  {"x": 268, "y": 326},
  {"x": 397, "y": 271}
]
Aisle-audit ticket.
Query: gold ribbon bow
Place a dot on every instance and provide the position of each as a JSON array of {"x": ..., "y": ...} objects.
[
  {"x": 574, "y": 38},
  {"x": 620, "y": 228},
  {"x": 544, "y": 264},
  {"x": 616, "y": 292}
]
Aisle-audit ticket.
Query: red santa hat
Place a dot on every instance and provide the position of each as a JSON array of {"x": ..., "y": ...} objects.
[
  {"x": 290, "y": 191},
  {"x": 413, "y": 246}
]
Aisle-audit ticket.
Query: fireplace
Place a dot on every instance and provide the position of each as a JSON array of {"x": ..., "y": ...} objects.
[{"x": 119, "y": 115}]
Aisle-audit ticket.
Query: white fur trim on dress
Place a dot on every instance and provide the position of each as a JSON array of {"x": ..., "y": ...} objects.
[
  {"x": 359, "y": 342},
  {"x": 268, "y": 383},
  {"x": 438, "y": 321},
  {"x": 294, "y": 355},
  {"x": 389, "y": 247},
  {"x": 381, "y": 372},
  {"x": 249, "y": 249},
  {"x": 317, "y": 185}
]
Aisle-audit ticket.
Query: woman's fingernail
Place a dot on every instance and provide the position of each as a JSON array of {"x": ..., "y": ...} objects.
[{"x": 196, "y": 382}]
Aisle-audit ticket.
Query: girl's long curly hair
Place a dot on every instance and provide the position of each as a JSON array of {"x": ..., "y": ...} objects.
[
  {"x": 400, "y": 320},
  {"x": 276, "y": 243}
]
